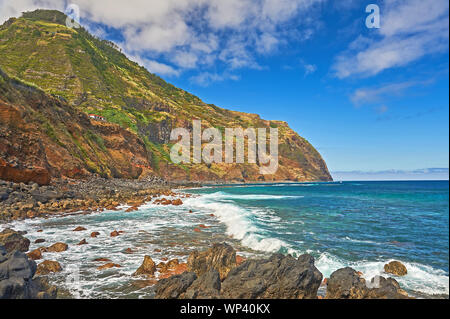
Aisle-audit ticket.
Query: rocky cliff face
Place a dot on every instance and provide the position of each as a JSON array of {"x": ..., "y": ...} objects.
[{"x": 53, "y": 76}]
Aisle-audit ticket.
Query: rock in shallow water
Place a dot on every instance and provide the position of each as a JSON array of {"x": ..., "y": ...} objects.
[
  {"x": 396, "y": 268},
  {"x": 346, "y": 284},
  {"x": 148, "y": 267},
  {"x": 48, "y": 266}
]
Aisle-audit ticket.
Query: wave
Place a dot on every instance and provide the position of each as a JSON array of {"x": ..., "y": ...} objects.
[
  {"x": 238, "y": 222},
  {"x": 225, "y": 195}
]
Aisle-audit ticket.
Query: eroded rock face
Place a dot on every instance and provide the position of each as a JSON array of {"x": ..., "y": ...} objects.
[
  {"x": 16, "y": 278},
  {"x": 221, "y": 257},
  {"x": 207, "y": 286},
  {"x": 395, "y": 268},
  {"x": 14, "y": 240},
  {"x": 282, "y": 277},
  {"x": 173, "y": 287},
  {"x": 345, "y": 283}
]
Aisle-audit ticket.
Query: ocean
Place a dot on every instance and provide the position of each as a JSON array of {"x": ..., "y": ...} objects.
[{"x": 363, "y": 225}]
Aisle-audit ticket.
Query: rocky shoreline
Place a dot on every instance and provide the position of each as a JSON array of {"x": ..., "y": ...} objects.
[
  {"x": 211, "y": 274},
  {"x": 20, "y": 201},
  {"x": 215, "y": 273}
]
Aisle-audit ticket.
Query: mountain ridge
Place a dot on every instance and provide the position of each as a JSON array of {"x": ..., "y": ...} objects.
[{"x": 90, "y": 75}]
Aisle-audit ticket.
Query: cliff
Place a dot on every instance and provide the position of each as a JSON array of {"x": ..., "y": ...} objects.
[{"x": 54, "y": 76}]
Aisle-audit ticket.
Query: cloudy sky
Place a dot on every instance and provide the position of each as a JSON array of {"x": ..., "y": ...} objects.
[{"x": 367, "y": 98}]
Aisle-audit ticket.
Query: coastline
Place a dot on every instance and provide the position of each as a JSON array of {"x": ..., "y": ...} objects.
[{"x": 161, "y": 245}]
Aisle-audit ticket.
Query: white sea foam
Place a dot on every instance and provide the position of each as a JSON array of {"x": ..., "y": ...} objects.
[
  {"x": 238, "y": 221},
  {"x": 420, "y": 278}
]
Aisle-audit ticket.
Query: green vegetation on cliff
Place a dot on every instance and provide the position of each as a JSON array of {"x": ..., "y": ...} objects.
[{"x": 93, "y": 76}]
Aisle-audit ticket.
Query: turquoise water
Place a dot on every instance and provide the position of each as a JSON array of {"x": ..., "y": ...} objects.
[
  {"x": 358, "y": 224},
  {"x": 361, "y": 224}
]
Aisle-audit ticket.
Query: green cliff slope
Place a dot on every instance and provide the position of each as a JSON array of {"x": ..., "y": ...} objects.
[{"x": 92, "y": 76}]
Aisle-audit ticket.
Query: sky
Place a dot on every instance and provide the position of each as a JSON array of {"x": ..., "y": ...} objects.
[{"x": 369, "y": 99}]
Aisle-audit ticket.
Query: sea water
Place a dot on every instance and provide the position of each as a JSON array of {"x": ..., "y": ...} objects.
[{"x": 363, "y": 225}]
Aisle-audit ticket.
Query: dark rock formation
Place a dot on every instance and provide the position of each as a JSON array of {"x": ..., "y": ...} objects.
[
  {"x": 173, "y": 287},
  {"x": 16, "y": 278},
  {"x": 220, "y": 257},
  {"x": 395, "y": 268},
  {"x": 281, "y": 277},
  {"x": 207, "y": 286},
  {"x": 14, "y": 240},
  {"x": 345, "y": 283}
]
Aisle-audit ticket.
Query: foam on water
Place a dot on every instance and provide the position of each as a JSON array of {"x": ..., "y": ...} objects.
[
  {"x": 239, "y": 220},
  {"x": 420, "y": 278}
]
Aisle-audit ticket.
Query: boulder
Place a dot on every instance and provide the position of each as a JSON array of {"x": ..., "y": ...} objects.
[
  {"x": 39, "y": 241},
  {"x": 57, "y": 248},
  {"x": 48, "y": 266},
  {"x": 221, "y": 257},
  {"x": 95, "y": 234},
  {"x": 395, "y": 268},
  {"x": 35, "y": 254},
  {"x": 207, "y": 286},
  {"x": 16, "y": 278},
  {"x": 173, "y": 287},
  {"x": 14, "y": 240},
  {"x": 345, "y": 283},
  {"x": 279, "y": 277},
  {"x": 79, "y": 228},
  {"x": 147, "y": 268}
]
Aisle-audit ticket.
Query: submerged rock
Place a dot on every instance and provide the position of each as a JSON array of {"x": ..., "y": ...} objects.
[
  {"x": 395, "y": 268},
  {"x": 280, "y": 277},
  {"x": 14, "y": 240},
  {"x": 108, "y": 266},
  {"x": 221, "y": 257}
]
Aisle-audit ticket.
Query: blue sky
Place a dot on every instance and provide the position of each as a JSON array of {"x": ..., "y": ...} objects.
[{"x": 367, "y": 99}]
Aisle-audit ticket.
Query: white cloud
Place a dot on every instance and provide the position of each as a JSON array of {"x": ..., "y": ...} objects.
[
  {"x": 191, "y": 33},
  {"x": 409, "y": 30},
  {"x": 155, "y": 66},
  {"x": 206, "y": 78},
  {"x": 376, "y": 94}
]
